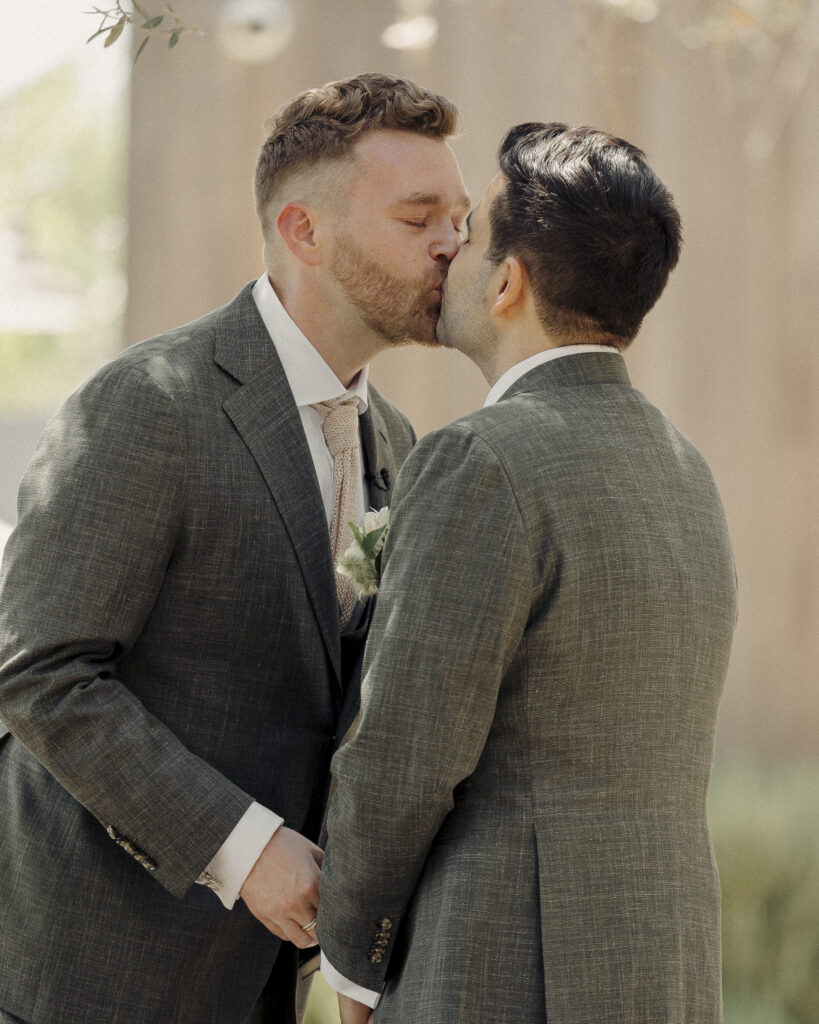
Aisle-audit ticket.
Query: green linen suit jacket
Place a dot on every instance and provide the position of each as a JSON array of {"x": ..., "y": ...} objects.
[
  {"x": 518, "y": 832},
  {"x": 169, "y": 652}
]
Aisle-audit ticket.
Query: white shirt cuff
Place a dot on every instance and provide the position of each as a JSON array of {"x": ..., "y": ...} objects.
[
  {"x": 234, "y": 860},
  {"x": 346, "y": 987}
]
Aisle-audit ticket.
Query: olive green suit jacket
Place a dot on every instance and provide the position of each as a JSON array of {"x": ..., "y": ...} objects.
[
  {"x": 518, "y": 831},
  {"x": 170, "y": 651}
]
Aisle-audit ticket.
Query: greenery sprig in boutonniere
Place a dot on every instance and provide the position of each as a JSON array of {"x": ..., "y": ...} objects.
[{"x": 361, "y": 562}]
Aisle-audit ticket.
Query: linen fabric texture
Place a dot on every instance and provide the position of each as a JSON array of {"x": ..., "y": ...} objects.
[
  {"x": 518, "y": 831},
  {"x": 170, "y": 651}
]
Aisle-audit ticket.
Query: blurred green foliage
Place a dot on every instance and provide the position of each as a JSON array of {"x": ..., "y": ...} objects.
[
  {"x": 765, "y": 827},
  {"x": 322, "y": 1007},
  {"x": 62, "y": 230}
]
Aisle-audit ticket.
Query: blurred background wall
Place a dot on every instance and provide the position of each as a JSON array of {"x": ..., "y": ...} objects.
[{"x": 146, "y": 221}]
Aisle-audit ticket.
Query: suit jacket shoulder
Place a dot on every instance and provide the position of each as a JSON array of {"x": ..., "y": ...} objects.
[{"x": 233, "y": 336}]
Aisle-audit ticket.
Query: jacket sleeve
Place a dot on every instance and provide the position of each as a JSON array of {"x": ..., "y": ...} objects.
[
  {"x": 99, "y": 512},
  {"x": 453, "y": 604}
]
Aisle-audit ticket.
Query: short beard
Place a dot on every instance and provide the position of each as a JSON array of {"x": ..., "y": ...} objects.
[{"x": 401, "y": 310}]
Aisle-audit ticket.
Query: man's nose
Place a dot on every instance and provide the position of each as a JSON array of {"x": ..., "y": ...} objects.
[{"x": 446, "y": 244}]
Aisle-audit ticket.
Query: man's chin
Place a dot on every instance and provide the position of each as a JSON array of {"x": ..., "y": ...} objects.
[
  {"x": 421, "y": 333},
  {"x": 429, "y": 342},
  {"x": 424, "y": 342},
  {"x": 429, "y": 338},
  {"x": 443, "y": 337}
]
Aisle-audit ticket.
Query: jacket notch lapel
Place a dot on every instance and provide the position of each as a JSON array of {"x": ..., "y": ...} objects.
[
  {"x": 266, "y": 417},
  {"x": 379, "y": 465}
]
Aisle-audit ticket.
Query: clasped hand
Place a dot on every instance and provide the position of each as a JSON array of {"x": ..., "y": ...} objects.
[{"x": 282, "y": 890}]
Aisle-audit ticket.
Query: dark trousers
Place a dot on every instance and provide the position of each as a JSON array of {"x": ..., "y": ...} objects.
[{"x": 277, "y": 1003}]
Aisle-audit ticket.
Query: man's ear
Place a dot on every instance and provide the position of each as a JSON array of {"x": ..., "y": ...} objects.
[
  {"x": 297, "y": 225},
  {"x": 511, "y": 284}
]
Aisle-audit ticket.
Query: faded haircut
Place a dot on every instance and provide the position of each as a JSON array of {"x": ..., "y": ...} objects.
[
  {"x": 595, "y": 227},
  {"x": 322, "y": 125}
]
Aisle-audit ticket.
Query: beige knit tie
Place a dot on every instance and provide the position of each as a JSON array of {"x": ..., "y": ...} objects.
[{"x": 341, "y": 434}]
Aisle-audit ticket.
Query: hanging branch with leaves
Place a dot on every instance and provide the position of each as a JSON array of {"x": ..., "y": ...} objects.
[{"x": 115, "y": 19}]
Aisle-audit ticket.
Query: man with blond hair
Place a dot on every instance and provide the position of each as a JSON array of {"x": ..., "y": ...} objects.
[{"x": 176, "y": 662}]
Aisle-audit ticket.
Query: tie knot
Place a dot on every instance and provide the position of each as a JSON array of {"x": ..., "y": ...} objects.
[{"x": 340, "y": 424}]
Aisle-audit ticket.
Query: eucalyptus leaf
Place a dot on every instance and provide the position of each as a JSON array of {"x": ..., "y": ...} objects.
[
  {"x": 173, "y": 40},
  {"x": 142, "y": 46},
  {"x": 153, "y": 22},
  {"x": 116, "y": 31}
]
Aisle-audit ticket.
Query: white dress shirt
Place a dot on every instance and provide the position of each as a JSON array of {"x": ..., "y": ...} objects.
[
  {"x": 504, "y": 382},
  {"x": 311, "y": 380},
  {"x": 501, "y": 386}
]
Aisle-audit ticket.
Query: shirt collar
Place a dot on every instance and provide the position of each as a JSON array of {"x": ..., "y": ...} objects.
[
  {"x": 310, "y": 378},
  {"x": 502, "y": 385}
]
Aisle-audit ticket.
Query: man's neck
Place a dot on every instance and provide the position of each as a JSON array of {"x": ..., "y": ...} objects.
[
  {"x": 512, "y": 350},
  {"x": 345, "y": 348}
]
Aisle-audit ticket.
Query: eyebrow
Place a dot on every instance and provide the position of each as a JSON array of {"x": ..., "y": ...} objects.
[
  {"x": 431, "y": 199},
  {"x": 469, "y": 221}
]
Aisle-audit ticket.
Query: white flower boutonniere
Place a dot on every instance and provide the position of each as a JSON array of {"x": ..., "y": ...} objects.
[{"x": 361, "y": 562}]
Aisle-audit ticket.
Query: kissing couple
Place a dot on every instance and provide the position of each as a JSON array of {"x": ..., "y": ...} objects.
[{"x": 517, "y": 828}]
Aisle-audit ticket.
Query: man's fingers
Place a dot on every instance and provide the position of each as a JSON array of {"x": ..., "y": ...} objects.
[
  {"x": 308, "y": 930},
  {"x": 282, "y": 889},
  {"x": 317, "y": 852},
  {"x": 290, "y": 931},
  {"x": 274, "y": 927},
  {"x": 299, "y": 937}
]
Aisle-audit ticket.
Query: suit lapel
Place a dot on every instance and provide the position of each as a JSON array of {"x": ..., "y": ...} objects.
[
  {"x": 267, "y": 419},
  {"x": 379, "y": 465}
]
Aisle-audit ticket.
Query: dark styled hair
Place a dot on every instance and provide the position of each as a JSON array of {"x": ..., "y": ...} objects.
[
  {"x": 595, "y": 227},
  {"x": 325, "y": 123}
]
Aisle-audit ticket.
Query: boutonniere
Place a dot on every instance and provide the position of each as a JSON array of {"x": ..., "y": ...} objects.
[{"x": 361, "y": 562}]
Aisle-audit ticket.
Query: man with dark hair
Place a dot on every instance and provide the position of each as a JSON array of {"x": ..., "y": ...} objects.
[
  {"x": 597, "y": 230},
  {"x": 176, "y": 661},
  {"x": 518, "y": 831}
]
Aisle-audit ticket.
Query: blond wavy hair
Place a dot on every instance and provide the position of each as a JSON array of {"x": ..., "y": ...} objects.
[{"x": 322, "y": 125}]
